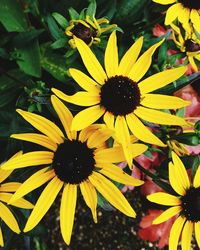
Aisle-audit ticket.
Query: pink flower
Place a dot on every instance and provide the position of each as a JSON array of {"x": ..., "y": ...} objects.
[
  {"x": 159, "y": 30},
  {"x": 188, "y": 93},
  {"x": 149, "y": 187},
  {"x": 154, "y": 233}
]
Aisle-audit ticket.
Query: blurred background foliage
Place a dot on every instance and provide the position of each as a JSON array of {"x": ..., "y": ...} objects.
[{"x": 35, "y": 56}]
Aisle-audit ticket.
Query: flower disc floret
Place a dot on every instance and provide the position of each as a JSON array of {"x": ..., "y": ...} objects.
[
  {"x": 191, "y": 204},
  {"x": 120, "y": 95},
  {"x": 191, "y": 4},
  {"x": 73, "y": 162}
]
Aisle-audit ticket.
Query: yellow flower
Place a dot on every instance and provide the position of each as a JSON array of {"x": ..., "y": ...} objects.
[
  {"x": 88, "y": 30},
  {"x": 186, "y": 204},
  {"x": 75, "y": 160},
  {"x": 184, "y": 10},
  {"x": 188, "y": 43},
  {"x": 177, "y": 147},
  {"x": 119, "y": 94},
  {"x": 6, "y": 190}
]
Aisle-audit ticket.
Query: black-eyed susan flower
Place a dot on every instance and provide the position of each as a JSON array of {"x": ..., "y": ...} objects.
[
  {"x": 6, "y": 192},
  {"x": 186, "y": 204},
  {"x": 184, "y": 10},
  {"x": 74, "y": 160},
  {"x": 120, "y": 96},
  {"x": 87, "y": 30},
  {"x": 187, "y": 42}
]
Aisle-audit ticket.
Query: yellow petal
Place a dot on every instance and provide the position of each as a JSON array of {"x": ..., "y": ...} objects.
[
  {"x": 159, "y": 117},
  {"x": 5, "y": 173},
  {"x": 196, "y": 181},
  {"x": 109, "y": 120},
  {"x": 140, "y": 68},
  {"x": 111, "y": 56},
  {"x": 64, "y": 115},
  {"x": 29, "y": 159},
  {"x": 90, "y": 61},
  {"x": 36, "y": 138},
  {"x": 111, "y": 193},
  {"x": 98, "y": 137},
  {"x": 187, "y": 235},
  {"x": 44, "y": 202},
  {"x": 193, "y": 64},
  {"x": 160, "y": 79},
  {"x": 181, "y": 172},
  {"x": 174, "y": 179},
  {"x": 123, "y": 135},
  {"x": 90, "y": 196},
  {"x": 84, "y": 81},
  {"x": 21, "y": 203},
  {"x": 183, "y": 16},
  {"x": 197, "y": 232},
  {"x": 67, "y": 211},
  {"x": 109, "y": 155},
  {"x": 164, "y": 1},
  {"x": 141, "y": 131},
  {"x": 164, "y": 199},
  {"x": 34, "y": 181},
  {"x": 81, "y": 98},
  {"x": 172, "y": 13},
  {"x": 43, "y": 125},
  {"x": 130, "y": 57},
  {"x": 156, "y": 101},
  {"x": 1, "y": 238},
  {"x": 175, "y": 232},
  {"x": 195, "y": 18},
  {"x": 117, "y": 174},
  {"x": 86, "y": 117},
  {"x": 8, "y": 218},
  {"x": 88, "y": 131},
  {"x": 9, "y": 186},
  {"x": 138, "y": 149},
  {"x": 166, "y": 215}
]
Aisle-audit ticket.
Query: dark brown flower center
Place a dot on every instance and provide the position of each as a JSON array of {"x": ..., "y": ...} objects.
[
  {"x": 191, "y": 4},
  {"x": 191, "y": 46},
  {"x": 191, "y": 204},
  {"x": 120, "y": 95},
  {"x": 73, "y": 162},
  {"x": 84, "y": 33}
]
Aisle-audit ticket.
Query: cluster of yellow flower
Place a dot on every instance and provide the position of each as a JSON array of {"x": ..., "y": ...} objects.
[
  {"x": 119, "y": 104},
  {"x": 184, "y": 18}
]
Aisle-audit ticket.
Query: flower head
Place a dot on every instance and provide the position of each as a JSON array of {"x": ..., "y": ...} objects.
[
  {"x": 120, "y": 96},
  {"x": 186, "y": 204},
  {"x": 87, "y": 30},
  {"x": 73, "y": 160},
  {"x": 6, "y": 192},
  {"x": 187, "y": 43},
  {"x": 183, "y": 10}
]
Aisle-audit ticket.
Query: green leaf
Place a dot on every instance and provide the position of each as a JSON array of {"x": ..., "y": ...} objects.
[
  {"x": 29, "y": 60},
  {"x": 61, "y": 20},
  {"x": 128, "y": 11},
  {"x": 55, "y": 64},
  {"x": 12, "y": 16},
  {"x": 54, "y": 29},
  {"x": 7, "y": 96},
  {"x": 60, "y": 43},
  {"x": 188, "y": 138},
  {"x": 74, "y": 15},
  {"x": 23, "y": 38},
  {"x": 91, "y": 10},
  {"x": 12, "y": 79}
]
